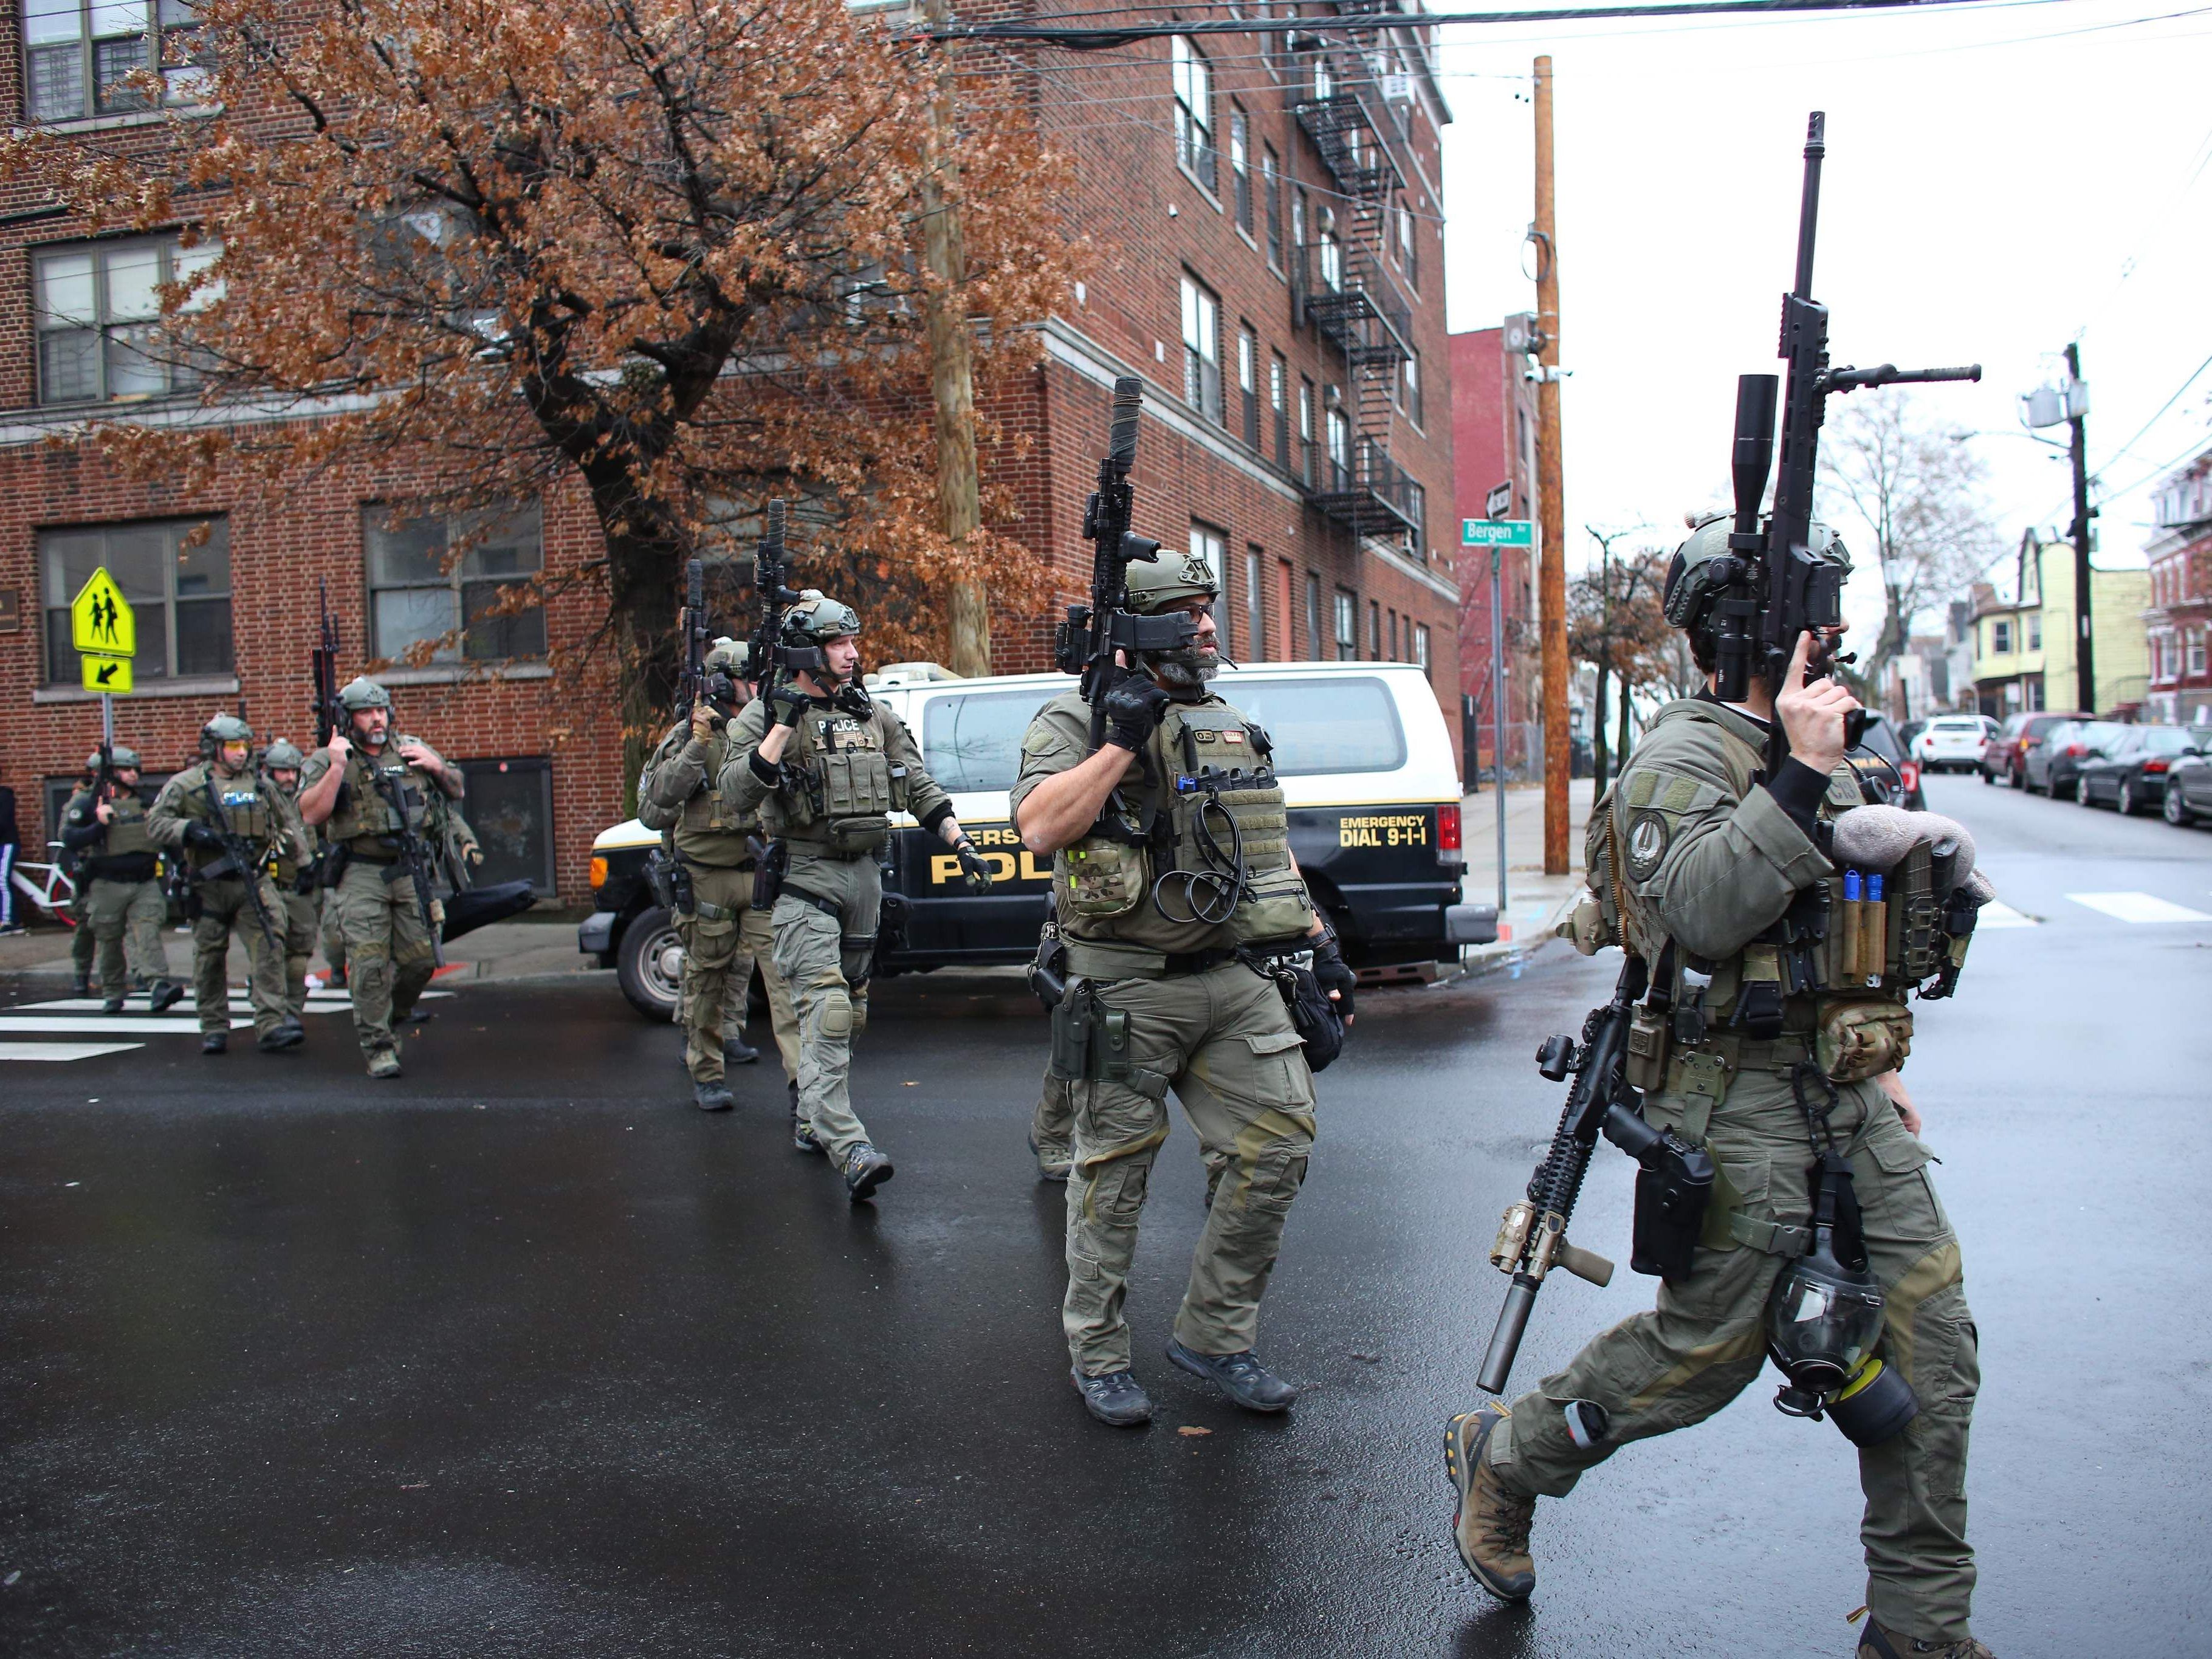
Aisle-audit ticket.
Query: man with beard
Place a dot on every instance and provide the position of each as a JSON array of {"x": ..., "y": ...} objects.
[
  {"x": 825, "y": 766},
  {"x": 1172, "y": 874},
  {"x": 116, "y": 860}
]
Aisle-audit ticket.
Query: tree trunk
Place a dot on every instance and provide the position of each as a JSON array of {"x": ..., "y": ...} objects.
[
  {"x": 1597, "y": 728},
  {"x": 1620, "y": 743}
]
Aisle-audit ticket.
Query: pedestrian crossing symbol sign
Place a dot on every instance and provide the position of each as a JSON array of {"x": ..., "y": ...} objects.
[
  {"x": 100, "y": 623},
  {"x": 108, "y": 674}
]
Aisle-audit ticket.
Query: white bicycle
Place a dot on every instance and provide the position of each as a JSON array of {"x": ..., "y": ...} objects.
[{"x": 48, "y": 886}]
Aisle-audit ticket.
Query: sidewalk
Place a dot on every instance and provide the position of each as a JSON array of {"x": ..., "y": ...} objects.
[{"x": 1533, "y": 901}]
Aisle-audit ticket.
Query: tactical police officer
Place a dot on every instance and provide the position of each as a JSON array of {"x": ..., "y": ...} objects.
[
  {"x": 119, "y": 862},
  {"x": 715, "y": 849},
  {"x": 296, "y": 873},
  {"x": 1167, "y": 897},
  {"x": 825, "y": 765},
  {"x": 1710, "y": 844},
  {"x": 231, "y": 828},
  {"x": 372, "y": 796},
  {"x": 84, "y": 948}
]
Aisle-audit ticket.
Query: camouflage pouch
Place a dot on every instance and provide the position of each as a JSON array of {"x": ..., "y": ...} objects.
[
  {"x": 1098, "y": 878},
  {"x": 1275, "y": 909},
  {"x": 1857, "y": 1041}
]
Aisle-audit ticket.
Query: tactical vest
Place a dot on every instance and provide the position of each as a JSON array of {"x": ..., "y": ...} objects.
[
  {"x": 708, "y": 828},
  {"x": 844, "y": 784},
  {"x": 1206, "y": 798},
  {"x": 1835, "y": 971},
  {"x": 249, "y": 812},
  {"x": 126, "y": 836},
  {"x": 287, "y": 866},
  {"x": 363, "y": 820}
]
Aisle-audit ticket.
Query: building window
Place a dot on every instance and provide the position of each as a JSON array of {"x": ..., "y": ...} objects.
[
  {"x": 1248, "y": 382},
  {"x": 1306, "y": 430},
  {"x": 1324, "y": 82},
  {"x": 1375, "y": 630},
  {"x": 1417, "y": 510},
  {"x": 1409, "y": 389},
  {"x": 1340, "y": 448},
  {"x": 178, "y": 585},
  {"x": 80, "y": 53},
  {"x": 1212, "y": 545},
  {"x": 1330, "y": 270},
  {"x": 510, "y": 806},
  {"x": 1201, "y": 348},
  {"x": 98, "y": 310},
  {"x": 1313, "y": 617},
  {"x": 1278, "y": 400},
  {"x": 2035, "y": 630},
  {"x": 1347, "y": 627},
  {"x": 1240, "y": 167},
  {"x": 1194, "y": 109},
  {"x": 1299, "y": 230},
  {"x": 2000, "y": 638},
  {"x": 435, "y": 586},
  {"x": 1409, "y": 247},
  {"x": 2196, "y": 651},
  {"x": 1270, "y": 188},
  {"x": 1286, "y": 608},
  {"x": 1421, "y": 645},
  {"x": 1255, "y": 632}
]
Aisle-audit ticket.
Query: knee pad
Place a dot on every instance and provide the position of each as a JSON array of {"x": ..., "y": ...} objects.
[{"x": 836, "y": 1014}]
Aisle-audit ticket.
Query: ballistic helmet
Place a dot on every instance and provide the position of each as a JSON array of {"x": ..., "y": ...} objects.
[
  {"x": 363, "y": 692},
  {"x": 284, "y": 754},
  {"x": 729, "y": 656},
  {"x": 1172, "y": 578},
  {"x": 121, "y": 758},
  {"x": 222, "y": 729},
  {"x": 818, "y": 619},
  {"x": 1692, "y": 586}
]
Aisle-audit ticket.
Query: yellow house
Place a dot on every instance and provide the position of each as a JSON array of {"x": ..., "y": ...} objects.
[{"x": 2024, "y": 648}]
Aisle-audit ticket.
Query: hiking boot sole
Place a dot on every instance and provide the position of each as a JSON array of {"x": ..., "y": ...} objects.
[
  {"x": 1465, "y": 1438},
  {"x": 1134, "y": 1416},
  {"x": 863, "y": 1188}
]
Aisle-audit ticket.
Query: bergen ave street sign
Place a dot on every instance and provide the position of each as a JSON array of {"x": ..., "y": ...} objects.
[{"x": 1496, "y": 532}]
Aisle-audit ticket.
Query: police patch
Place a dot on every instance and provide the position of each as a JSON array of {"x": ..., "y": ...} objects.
[{"x": 1647, "y": 843}]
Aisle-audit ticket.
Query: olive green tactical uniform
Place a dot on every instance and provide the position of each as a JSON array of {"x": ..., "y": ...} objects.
[
  {"x": 84, "y": 943},
  {"x": 389, "y": 958},
  {"x": 681, "y": 794},
  {"x": 842, "y": 776},
  {"x": 302, "y": 913},
  {"x": 1171, "y": 1007},
  {"x": 124, "y": 907},
  {"x": 260, "y": 816},
  {"x": 1710, "y": 860}
]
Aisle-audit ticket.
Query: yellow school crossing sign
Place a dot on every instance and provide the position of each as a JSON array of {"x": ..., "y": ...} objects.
[{"x": 102, "y": 627}]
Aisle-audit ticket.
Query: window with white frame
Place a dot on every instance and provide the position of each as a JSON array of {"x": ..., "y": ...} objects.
[
  {"x": 1193, "y": 80},
  {"x": 1248, "y": 382},
  {"x": 1330, "y": 269},
  {"x": 2035, "y": 630},
  {"x": 1324, "y": 79},
  {"x": 1279, "y": 401},
  {"x": 1255, "y": 633},
  {"x": 1421, "y": 645},
  {"x": 1347, "y": 627},
  {"x": 78, "y": 56},
  {"x": 97, "y": 311},
  {"x": 2196, "y": 651},
  {"x": 1240, "y": 167},
  {"x": 1201, "y": 348},
  {"x": 447, "y": 588},
  {"x": 1298, "y": 226},
  {"x": 1340, "y": 447},
  {"x": 1270, "y": 188},
  {"x": 1212, "y": 545},
  {"x": 175, "y": 572},
  {"x": 1409, "y": 247},
  {"x": 1313, "y": 617},
  {"x": 1409, "y": 388},
  {"x": 1306, "y": 459}
]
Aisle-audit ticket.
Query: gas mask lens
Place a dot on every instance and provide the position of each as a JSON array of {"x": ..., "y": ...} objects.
[{"x": 1821, "y": 1324}]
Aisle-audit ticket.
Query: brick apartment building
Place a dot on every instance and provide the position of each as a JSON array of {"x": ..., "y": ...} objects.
[
  {"x": 2180, "y": 620},
  {"x": 1494, "y": 442},
  {"x": 1268, "y": 219}
]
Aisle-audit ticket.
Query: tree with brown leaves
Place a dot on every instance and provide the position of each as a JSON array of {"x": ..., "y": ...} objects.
[{"x": 668, "y": 251}]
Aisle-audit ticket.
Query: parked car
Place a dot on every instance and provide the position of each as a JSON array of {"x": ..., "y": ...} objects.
[
  {"x": 1367, "y": 767},
  {"x": 2051, "y": 766},
  {"x": 1952, "y": 743},
  {"x": 2188, "y": 797},
  {"x": 2006, "y": 757},
  {"x": 1898, "y": 777},
  {"x": 2132, "y": 775}
]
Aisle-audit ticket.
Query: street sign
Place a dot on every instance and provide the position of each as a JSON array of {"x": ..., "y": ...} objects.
[
  {"x": 1499, "y": 501},
  {"x": 1496, "y": 532},
  {"x": 100, "y": 622},
  {"x": 108, "y": 674}
]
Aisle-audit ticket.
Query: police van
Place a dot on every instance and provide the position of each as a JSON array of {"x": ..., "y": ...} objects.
[{"x": 1368, "y": 770}]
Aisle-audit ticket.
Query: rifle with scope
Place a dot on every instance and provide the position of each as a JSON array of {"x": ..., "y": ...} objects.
[
  {"x": 772, "y": 582},
  {"x": 1772, "y": 586},
  {"x": 1088, "y": 637},
  {"x": 329, "y": 713}
]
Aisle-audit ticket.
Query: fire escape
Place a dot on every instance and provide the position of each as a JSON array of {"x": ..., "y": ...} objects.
[{"x": 1344, "y": 290}]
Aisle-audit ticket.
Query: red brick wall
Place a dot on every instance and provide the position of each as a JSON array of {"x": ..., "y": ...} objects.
[{"x": 1491, "y": 400}]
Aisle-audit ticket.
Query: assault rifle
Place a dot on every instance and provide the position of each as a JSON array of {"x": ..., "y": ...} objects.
[
  {"x": 1772, "y": 588},
  {"x": 328, "y": 714},
  {"x": 1090, "y": 635},
  {"x": 691, "y": 684},
  {"x": 239, "y": 855},
  {"x": 415, "y": 856},
  {"x": 1673, "y": 1184},
  {"x": 771, "y": 580}
]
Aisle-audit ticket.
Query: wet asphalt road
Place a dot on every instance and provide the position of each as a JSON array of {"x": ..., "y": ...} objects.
[{"x": 523, "y": 1355}]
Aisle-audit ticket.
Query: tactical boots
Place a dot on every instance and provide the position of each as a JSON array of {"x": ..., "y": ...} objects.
[
  {"x": 1054, "y": 1163},
  {"x": 384, "y": 1062},
  {"x": 215, "y": 1042},
  {"x": 164, "y": 995},
  {"x": 802, "y": 1132},
  {"x": 80, "y": 985},
  {"x": 737, "y": 1051},
  {"x": 1116, "y": 1399},
  {"x": 711, "y": 1095},
  {"x": 112, "y": 1005},
  {"x": 289, "y": 1035},
  {"x": 866, "y": 1169},
  {"x": 1877, "y": 1643},
  {"x": 1239, "y": 1375},
  {"x": 1490, "y": 1525}
]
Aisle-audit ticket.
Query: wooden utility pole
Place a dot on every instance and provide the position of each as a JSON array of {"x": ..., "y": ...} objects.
[
  {"x": 951, "y": 380},
  {"x": 1552, "y": 574},
  {"x": 2085, "y": 644}
]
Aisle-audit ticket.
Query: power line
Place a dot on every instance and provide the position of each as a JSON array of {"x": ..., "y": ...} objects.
[{"x": 2162, "y": 408}]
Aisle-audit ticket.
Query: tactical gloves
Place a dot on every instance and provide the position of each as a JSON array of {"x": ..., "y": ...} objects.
[
  {"x": 201, "y": 835},
  {"x": 789, "y": 702},
  {"x": 973, "y": 865},
  {"x": 1133, "y": 708},
  {"x": 1328, "y": 967}
]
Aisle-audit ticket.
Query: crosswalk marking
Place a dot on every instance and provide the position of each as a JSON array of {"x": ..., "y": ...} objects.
[
  {"x": 101, "y": 1024},
  {"x": 2138, "y": 907},
  {"x": 64, "y": 1050},
  {"x": 319, "y": 1002},
  {"x": 1997, "y": 914}
]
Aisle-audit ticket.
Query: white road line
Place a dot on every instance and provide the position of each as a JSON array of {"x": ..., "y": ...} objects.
[
  {"x": 184, "y": 1005},
  {"x": 102, "y": 1025},
  {"x": 64, "y": 1050},
  {"x": 1997, "y": 914},
  {"x": 2138, "y": 907}
]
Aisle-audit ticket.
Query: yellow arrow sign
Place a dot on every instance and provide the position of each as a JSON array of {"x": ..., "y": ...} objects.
[
  {"x": 109, "y": 674},
  {"x": 100, "y": 620}
]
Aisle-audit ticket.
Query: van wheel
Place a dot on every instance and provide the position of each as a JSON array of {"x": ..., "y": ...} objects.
[{"x": 649, "y": 965}]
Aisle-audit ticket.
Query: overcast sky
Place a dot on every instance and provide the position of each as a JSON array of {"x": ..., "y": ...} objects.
[{"x": 1987, "y": 198}]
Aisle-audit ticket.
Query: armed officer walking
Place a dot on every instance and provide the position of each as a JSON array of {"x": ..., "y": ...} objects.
[
  {"x": 1705, "y": 859},
  {"x": 371, "y": 798},
  {"x": 1164, "y": 992},
  {"x": 117, "y": 856},
  {"x": 231, "y": 828},
  {"x": 715, "y": 846},
  {"x": 295, "y": 872},
  {"x": 824, "y": 765}
]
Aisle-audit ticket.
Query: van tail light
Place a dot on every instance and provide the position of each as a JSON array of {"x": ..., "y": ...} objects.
[
  {"x": 2153, "y": 766},
  {"x": 1448, "y": 833}
]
